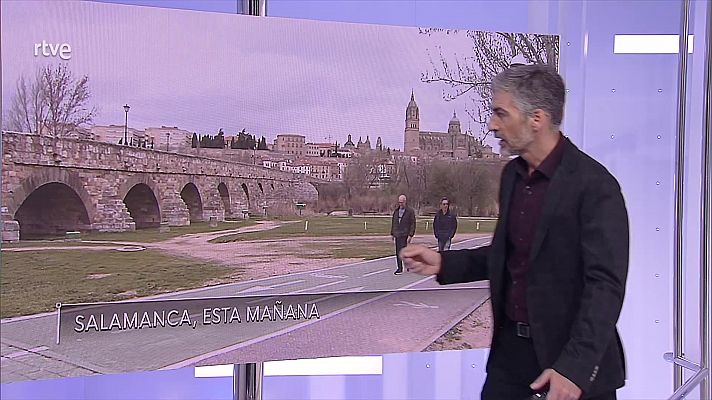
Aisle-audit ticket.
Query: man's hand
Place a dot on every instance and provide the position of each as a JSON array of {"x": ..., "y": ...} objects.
[
  {"x": 421, "y": 260},
  {"x": 409, "y": 239},
  {"x": 560, "y": 388}
]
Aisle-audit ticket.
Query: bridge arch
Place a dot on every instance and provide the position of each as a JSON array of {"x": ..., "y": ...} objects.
[
  {"x": 191, "y": 197},
  {"x": 52, "y": 209},
  {"x": 142, "y": 204},
  {"x": 247, "y": 193},
  {"x": 225, "y": 197},
  {"x": 51, "y": 202}
]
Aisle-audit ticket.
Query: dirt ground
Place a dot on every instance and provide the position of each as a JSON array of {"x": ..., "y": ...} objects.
[
  {"x": 473, "y": 332},
  {"x": 266, "y": 258}
]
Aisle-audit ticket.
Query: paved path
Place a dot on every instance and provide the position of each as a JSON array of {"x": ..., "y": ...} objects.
[{"x": 370, "y": 319}]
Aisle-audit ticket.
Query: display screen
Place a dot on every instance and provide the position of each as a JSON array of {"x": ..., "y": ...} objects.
[{"x": 184, "y": 188}]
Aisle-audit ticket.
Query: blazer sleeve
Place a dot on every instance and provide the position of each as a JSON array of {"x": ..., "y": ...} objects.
[
  {"x": 454, "y": 226},
  {"x": 411, "y": 231},
  {"x": 463, "y": 265},
  {"x": 604, "y": 247},
  {"x": 393, "y": 224}
]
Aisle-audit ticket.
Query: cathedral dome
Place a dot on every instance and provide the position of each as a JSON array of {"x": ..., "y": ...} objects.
[{"x": 454, "y": 119}]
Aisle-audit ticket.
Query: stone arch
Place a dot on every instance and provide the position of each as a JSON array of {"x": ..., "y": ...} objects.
[
  {"x": 142, "y": 204},
  {"x": 247, "y": 193},
  {"x": 225, "y": 197},
  {"x": 145, "y": 179},
  {"x": 17, "y": 196},
  {"x": 191, "y": 197},
  {"x": 52, "y": 209},
  {"x": 259, "y": 185}
]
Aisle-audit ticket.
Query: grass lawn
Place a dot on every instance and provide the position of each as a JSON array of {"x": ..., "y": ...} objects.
[
  {"x": 352, "y": 226},
  {"x": 50, "y": 243},
  {"x": 153, "y": 235},
  {"x": 33, "y": 282}
]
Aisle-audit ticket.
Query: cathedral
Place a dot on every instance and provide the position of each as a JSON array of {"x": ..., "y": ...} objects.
[{"x": 452, "y": 144}]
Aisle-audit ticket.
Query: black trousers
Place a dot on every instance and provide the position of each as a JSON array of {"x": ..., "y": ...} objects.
[
  {"x": 401, "y": 242},
  {"x": 513, "y": 366}
]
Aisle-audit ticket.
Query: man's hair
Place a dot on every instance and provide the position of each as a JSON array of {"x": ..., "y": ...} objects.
[
  {"x": 445, "y": 199},
  {"x": 536, "y": 86}
]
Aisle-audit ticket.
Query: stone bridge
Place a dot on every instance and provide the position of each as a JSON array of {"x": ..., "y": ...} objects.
[{"x": 51, "y": 186}]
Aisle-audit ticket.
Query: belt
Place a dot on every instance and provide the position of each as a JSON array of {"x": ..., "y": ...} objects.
[{"x": 520, "y": 328}]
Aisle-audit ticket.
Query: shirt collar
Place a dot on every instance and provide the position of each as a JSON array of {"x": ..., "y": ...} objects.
[{"x": 550, "y": 163}]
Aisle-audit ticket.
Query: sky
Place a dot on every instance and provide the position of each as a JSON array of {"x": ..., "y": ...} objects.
[{"x": 203, "y": 71}]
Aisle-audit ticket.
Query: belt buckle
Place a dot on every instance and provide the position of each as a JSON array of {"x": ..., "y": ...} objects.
[{"x": 523, "y": 330}]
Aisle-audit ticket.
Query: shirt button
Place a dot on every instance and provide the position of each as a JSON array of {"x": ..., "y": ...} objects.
[
  {"x": 516, "y": 306},
  {"x": 514, "y": 283},
  {"x": 521, "y": 213}
]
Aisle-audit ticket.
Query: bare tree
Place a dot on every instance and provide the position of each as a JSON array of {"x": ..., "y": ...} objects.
[
  {"x": 54, "y": 102},
  {"x": 492, "y": 52}
]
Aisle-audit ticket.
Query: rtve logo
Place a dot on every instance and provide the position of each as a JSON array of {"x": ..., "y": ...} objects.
[{"x": 63, "y": 50}]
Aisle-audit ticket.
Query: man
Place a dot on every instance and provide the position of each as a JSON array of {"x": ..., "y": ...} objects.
[
  {"x": 402, "y": 229},
  {"x": 558, "y": 260},
  {"x": 444, "y": 225}
]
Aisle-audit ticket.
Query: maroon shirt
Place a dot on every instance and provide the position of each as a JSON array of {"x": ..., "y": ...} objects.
[{"x": 524, "y": 213}]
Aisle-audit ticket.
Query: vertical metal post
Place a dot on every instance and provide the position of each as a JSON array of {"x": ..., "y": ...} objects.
[
  {"x": 706, "y": 248},
  {"x": 678, "y": 274},
  {"x": 247, "y": 381}
]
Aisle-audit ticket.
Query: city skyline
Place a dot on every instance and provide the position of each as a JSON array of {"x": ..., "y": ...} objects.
[{"x": 317, "y": 79}]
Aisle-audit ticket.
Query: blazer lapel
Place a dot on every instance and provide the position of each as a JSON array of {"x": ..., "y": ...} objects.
[
  {"x": 561, "y": 183},
  {"x": 499, "y": 241}
]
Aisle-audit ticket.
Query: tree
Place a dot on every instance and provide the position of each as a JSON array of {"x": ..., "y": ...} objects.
[
  {"x": 53, "y": 102},
  {"x": 219, "y": 141},
  {"x": 194, "y": 140},
  {"x": 263, "y": 144},
  {"x": 492, "y": 53}
]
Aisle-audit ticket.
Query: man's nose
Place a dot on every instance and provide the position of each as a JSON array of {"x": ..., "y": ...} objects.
[{"x": 492, "y": 126}]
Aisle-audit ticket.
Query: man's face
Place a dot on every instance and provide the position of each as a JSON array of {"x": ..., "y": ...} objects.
[
  {"x": 401, "y": 202},
  {"x": 444, "y": 205},
  {"x": 510, "y": 125}
]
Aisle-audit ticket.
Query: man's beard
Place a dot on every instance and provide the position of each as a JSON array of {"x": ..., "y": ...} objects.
[{"x": 506, "y": 151}]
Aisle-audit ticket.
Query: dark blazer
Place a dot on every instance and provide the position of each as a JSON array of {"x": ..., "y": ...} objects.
[
  {"x": 445, "y": 225},
  {"x": 406, "y": 227},
  {"x": 577, "y": 275}
]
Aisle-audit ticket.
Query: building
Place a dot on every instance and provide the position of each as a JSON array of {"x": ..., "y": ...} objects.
[
  {"x": 320, "y": 149},
  {"x": 290, "y": 144},
  {"x": 452, "y": 144},
  {"x": 115, "y": 134},
  {"x": 170, "y": 138}
]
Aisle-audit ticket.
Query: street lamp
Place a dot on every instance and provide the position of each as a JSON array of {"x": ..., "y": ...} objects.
[{"x": 126, "y": 125}]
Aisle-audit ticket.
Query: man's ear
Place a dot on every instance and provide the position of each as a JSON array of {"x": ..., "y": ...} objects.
[{"x": 538, "y": 119}]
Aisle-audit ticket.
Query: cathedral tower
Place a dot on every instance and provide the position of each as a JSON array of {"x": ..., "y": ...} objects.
[{"x": 411, "y": 138}]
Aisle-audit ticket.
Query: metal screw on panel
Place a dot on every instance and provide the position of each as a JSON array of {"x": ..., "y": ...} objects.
[
  {"x": 657, "y": 183},
  {"x": 427, "y": 365},
  {"x": 568, "y": 43},
  {"x": 660, "y": 137},
  {"x": 474, "y": 366},
  {"x": 660, "y": 90},
  {"x": 657, "y": 275},
  {"x": 657, "y": 321},
  {"x": 613, "y": 136},
  {"x": 657, "y": 229},
  {"x": 613, "y": 90}
]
